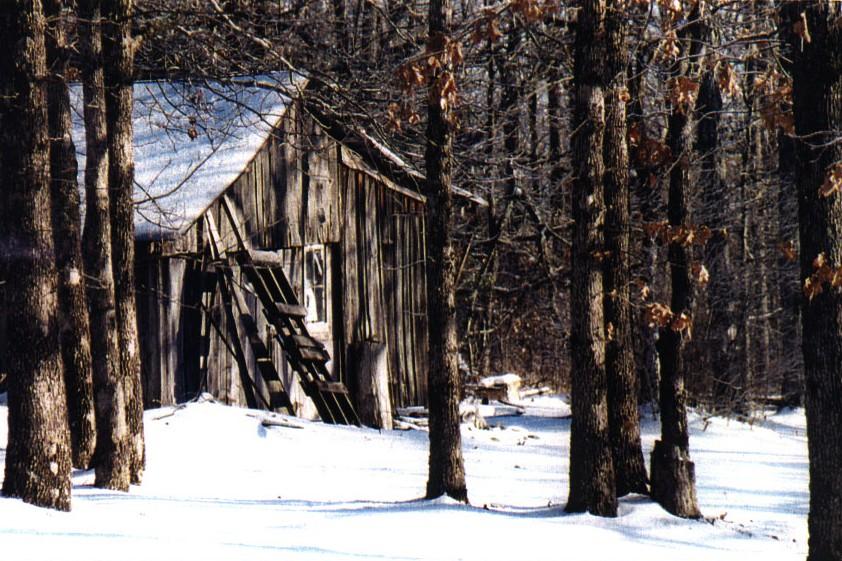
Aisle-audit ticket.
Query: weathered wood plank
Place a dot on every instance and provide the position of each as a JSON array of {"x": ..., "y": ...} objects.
[
  {"x": 292, "y": 310},
  {"x": 355, "y": 162},
  {"x": 376, "y": 314},
  {"x": 313, "y": 354},
  {"x": 306, "y": 341},
  {"x": 322, "y": 222},
  {"x": 290, "y": 207},
  {"x": 146, "y": 277}
]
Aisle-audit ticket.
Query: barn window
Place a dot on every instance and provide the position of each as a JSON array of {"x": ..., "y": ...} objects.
[{"x": 315, "y": 295}]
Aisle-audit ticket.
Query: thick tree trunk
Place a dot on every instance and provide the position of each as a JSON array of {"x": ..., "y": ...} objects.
[
  {"x": 38, "y": 453},
  {"x": 112, "y": 451},
  {"x": 624, "y": 417},
  {"x": 817, "y": 97},
  {"x": 447, "y": 470},
  {"x": 673, "y": 474},
  {"x": 73, "y": 312},
  {"x": 592, "y": 487},
  {"x": 118, "y": 51}
]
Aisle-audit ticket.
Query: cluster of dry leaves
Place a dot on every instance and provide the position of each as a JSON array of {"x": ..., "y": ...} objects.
[
  {"x": 533, "y": 10},
  {"x": 727, "y": 79},
  {"x": 833, "y": 180},
  {"x": 649, "y": 153},
  {"x": 776, "y": 90},
  {"x": 789, "y": 251},
  {"x": 823, "y": 274},
  {"x": 682, "y": 93},
  {"x": 669, "y": 47},
  {"x": 656, "y": 313},
  {"x": 660, "y": 315},
  {"x": 487, "y": 27},
  {"x": 685, "y": 235},
  {"x": 436, "y": 69},
  {"x": 443, "y": 54}
]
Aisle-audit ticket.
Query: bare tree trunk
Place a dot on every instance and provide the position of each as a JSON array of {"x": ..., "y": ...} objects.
[
  {"x": 789, "y": 293},
  {"x": 792, "y": 382},
  {"x": 648, "y": 201},
  {"x": 740, "y": 384},
  {"x": 118, "y": 51},
  {"x": 534, "y": 141},
  {"x": 38, "y": 453},
  {"x": 673, "y": 474},
  {"x": 760, "y": 321},
  {"x": 447, "y": 469},
  {"x": 721, "y": 337},
  {"x": 112, "y": 450},
  {"x": 623, "y": 415},
  {"x": 554, "y": 119},
  {"x": 73, "y": 312},
  {"x": 817, "y": 97},
  {"x": 340, "y": 27},
  {"x": 592, "y": 486},
  {"x": 510, "y": 80}
]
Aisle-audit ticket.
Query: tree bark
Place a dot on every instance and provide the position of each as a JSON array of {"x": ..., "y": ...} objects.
[
  {"x": 118, "y": 52},
  {"x": 510, "y": 80},
  {"x": 554, "y": 125},
  {"x": 112, "y": 450},
  {"x": 649, "y": 201},
  {"x": 673, "y": 474},
  {"x": 739, "y": 387},
  {"x": 446, "y": 466},
  {"x": 592, "y": 486},
  {"x": 817, "y": 99},
  {"x": 623, "y": 414},
  {"x": 720, "y": 337},
  {"x": 38, "y": 453},
  {"x": 73, "y": 312},
  {"x": 340, "y": 27},
  {"x": 792, "y": 378}
]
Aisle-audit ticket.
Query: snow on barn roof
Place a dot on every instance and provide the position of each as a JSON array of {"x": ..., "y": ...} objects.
[{"x": 191, "y": 141}]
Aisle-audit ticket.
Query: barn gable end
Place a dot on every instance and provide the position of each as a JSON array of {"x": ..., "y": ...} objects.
[{"x": 351, "y": 240}]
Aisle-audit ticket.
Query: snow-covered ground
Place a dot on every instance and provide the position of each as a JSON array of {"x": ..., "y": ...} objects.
[{"x": 220, "y": 485}]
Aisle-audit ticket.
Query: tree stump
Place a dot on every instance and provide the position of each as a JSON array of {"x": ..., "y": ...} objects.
[
  {"x": 674, "y": 481},
  {"x": 374, "y": 401}
]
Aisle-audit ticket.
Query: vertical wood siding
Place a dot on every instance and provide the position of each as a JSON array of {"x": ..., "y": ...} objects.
[{"x": 296, "y": 191}]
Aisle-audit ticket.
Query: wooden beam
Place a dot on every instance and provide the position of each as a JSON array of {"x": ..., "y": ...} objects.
[{"x": 355, "y": 162}]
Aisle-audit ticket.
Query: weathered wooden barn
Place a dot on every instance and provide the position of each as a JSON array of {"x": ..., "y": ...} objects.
[{"x": 280, "y": 256}]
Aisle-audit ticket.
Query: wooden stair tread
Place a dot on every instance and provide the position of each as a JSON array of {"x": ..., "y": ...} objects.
[
  {"x": 318, "y": 355},
  {"x": 332, "y": 387},
  {"x": 291, "y": 310},
  {"x": 307, "y": 341}
]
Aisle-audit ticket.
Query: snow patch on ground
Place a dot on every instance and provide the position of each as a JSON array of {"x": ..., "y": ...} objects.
[{"x": 220, "y": 485}]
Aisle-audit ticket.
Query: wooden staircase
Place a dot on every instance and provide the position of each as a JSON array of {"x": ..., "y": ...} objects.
[
  {"x": 239, "y": 319},
  {"x": 306, "y": 356}
]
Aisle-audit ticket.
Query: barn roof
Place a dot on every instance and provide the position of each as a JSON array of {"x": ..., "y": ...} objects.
[
  {"x": 380, "y": 156},
  {"x": 194, "y": 139},
  {"x": 191, "y": 141}
]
